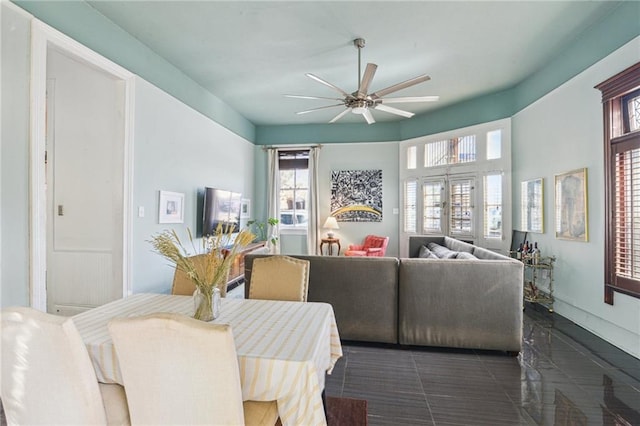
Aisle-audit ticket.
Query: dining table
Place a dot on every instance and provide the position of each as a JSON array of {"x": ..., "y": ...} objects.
[{"x": 284, "y": 348}]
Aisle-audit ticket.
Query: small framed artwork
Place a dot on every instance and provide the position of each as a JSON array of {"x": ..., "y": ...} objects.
[
  {"x": 571, "y": 206},
  {"x": 532, "y": 205},
  {"x": 245, "y": 208},
  {"x": 171, "y": 208}
]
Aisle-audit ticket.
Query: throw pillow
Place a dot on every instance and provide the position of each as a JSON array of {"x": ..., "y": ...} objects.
[
  {"x": 457, "y": 245},
  {"x": 425, "y": 253},
  {"x": 441, "y": 251}
]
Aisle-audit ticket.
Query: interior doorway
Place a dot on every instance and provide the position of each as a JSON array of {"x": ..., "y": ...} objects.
[{"x": 81, "y": 168}]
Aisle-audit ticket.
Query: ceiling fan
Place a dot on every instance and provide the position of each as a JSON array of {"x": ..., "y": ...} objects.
[{"x": 360, "y": 101}]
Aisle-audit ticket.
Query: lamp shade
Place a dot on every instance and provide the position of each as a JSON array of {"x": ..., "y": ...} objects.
[{"x": 331, "y": 223}]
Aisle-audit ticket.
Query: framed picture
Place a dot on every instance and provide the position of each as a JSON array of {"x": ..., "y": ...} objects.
[
  {"x": 171, "y": 208},
  {"x": 245, "y": 208},
  {"x": 356, "y": 195},
  {"x": 532, "y": 206},
  {"x": 571, "y": 205}
]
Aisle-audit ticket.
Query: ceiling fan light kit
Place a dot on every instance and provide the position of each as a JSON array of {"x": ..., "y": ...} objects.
[{"x": 361, "y": 102}]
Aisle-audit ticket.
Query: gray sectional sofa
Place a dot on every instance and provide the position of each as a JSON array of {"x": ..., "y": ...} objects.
[{"x": 473, "y": 302}]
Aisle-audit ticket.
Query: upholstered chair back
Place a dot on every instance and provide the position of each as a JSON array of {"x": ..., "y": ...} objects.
[
  {"x": 47, "y": 375},
  {"x": 178, "y": 370},
  {"x": 280, "y": 278},
  {"x": 376, "y": 242}
]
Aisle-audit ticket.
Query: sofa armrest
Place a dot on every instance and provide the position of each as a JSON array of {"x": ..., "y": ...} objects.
[{"x": 358, "y": 247}]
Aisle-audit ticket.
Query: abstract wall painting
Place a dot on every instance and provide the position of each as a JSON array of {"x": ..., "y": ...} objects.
[{"x": 356, "y": 195}]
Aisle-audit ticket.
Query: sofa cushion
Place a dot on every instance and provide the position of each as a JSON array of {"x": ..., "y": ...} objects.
[
  {"x": 363, "y": 292},
  {"x": 457, "y": 245},
  {"x": 465, "y": 255},
  {"x": 441, "y": 251},
  {"x": 425, "y": 253},
  {"x": 485, "y": 254}
]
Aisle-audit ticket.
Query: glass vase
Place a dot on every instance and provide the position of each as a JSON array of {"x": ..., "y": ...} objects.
[{"x": 207, "y": 303}]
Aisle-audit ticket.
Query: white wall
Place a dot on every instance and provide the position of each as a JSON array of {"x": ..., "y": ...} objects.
[
  {"x": 560, "y": 132},
  {"x": 14, "y": 156},
  {"x": 363, "y": 156},
  {"x": 344, "y": 156},
  {"x": 177, "y": 149}
]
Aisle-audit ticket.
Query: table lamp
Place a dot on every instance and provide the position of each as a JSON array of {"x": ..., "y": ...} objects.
[{"x": 331, "y": 224}]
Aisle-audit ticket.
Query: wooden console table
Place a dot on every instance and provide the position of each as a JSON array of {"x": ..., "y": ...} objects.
[{"x": 330, "y": 242}]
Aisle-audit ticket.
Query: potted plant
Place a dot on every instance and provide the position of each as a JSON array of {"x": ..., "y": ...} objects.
[
  {"x": 266, "y": 231},
  {"x": 220, "y": 250}
]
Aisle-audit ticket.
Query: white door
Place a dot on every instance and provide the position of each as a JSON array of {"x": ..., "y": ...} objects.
[
  {"x": 439, "y": 205},
  {"x": 448, "y": 206},
  {"x": 85, "y": 169}
]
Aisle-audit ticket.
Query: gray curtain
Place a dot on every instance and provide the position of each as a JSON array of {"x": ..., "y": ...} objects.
[{"x": 314, "y": 201}]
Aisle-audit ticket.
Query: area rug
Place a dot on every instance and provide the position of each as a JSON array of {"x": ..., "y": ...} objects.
[{"x": 346, "y": 411}]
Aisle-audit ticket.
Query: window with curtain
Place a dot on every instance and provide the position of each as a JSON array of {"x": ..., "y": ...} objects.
[
  {"x": 621, "y": 107},
  {"x": 294, "y": 188}
]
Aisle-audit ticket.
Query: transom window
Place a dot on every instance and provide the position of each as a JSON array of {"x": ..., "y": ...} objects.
[
  {"x": 631, "y": 111},
  {"x": 451, "y": 151}
]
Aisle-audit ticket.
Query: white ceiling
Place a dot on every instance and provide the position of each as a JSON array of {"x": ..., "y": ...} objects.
[{"x": 249, "y": 54}]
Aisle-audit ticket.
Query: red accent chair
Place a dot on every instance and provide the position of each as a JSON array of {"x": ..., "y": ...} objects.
[{"x": 372, "y": 246}]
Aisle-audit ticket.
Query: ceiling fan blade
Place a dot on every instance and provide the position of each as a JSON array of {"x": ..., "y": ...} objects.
[
  {"x": 395, "y": 111},
  {"x": 311, "y": 97},
  {"x": 367, "y": 116},
  {"x": 326, "y": 83},
  {"x": 408, "y": 99},
  {"x": 319, "y": 108},
  {"x": 339, "y": 116},
  {"x": 400, "y": 86},
  {"x": 367, "y": 77}
]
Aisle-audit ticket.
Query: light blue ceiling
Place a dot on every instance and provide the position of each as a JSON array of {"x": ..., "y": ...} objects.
[{"x": 247, "y": 55}]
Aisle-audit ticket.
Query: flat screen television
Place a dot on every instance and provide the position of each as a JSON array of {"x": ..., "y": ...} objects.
[{"x": 220, "y": 207}]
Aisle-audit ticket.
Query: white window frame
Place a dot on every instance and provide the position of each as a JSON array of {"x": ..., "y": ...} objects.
[{"x": 478, "y": 169}]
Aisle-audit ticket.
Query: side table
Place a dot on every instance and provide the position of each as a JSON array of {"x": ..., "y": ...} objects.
[{"x": 330, "y": 242}]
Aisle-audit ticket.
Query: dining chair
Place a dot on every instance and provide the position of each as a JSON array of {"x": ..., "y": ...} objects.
[
  {"x": 183, "y": 285},
  {"x": 279, "y": 277},
  {"x": 47, "y": 376},
  {"x": 179, "y": 370}
]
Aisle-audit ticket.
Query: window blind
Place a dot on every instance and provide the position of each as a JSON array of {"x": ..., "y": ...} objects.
[
  {"x": 627, "y": 214},
  {"x": 432, "y": 207},
  {"x": 493, "y": 206},
  {"x": 410, "y": 205}
]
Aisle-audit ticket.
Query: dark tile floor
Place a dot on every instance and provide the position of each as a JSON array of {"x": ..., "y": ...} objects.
[{"x": 564, "y": 376}]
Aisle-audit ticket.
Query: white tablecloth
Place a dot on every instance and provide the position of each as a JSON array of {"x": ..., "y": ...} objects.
[{"x": 284, "y": 348}]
